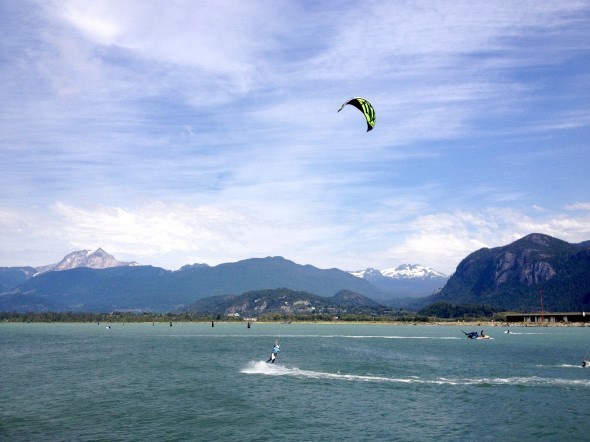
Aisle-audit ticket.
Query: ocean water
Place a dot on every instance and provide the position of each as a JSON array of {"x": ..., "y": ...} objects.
[{"x": 330, "y": 382}]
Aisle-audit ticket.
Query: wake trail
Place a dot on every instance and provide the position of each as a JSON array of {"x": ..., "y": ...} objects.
[
  {"x": 254, "y": 335},
  {"x": 264, "y": 369}
]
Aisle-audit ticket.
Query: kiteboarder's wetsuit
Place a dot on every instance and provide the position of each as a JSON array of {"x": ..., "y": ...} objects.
[{"x": 274, "y": 353}]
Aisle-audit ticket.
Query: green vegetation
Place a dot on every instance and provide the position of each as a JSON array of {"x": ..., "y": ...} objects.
[
  {"x": 349, "y": 317},
  {"x": 324, "y": 310},
  {"x": 116, "y": 317},
  {"x": 285, "y": 301},
  {"x": 447, "y": 310},
  {"x": 125, "y": 317}
]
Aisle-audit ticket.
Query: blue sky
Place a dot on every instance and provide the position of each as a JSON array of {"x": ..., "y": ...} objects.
[{"x": 179, "y": 132}]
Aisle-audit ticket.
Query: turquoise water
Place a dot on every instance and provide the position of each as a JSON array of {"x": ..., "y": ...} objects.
[{"x": 330, "y": 382}]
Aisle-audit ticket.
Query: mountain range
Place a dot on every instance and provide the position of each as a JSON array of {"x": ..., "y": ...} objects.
[
  {"x": 147, "y": 288},
  {"x": 511, "y": 277},
  {"x": 97, "y": 281}
]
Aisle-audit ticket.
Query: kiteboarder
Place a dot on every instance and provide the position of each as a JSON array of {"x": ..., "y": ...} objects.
[
  {"x": 471, "y": 335},
  {"x": 275, "y": 351}
]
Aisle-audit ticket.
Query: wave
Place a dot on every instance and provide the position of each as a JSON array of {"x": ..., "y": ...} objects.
[{"x": 262, "y": 368}]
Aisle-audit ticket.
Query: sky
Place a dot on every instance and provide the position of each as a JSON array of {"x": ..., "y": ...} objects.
[{"x": 180, "y": 132}]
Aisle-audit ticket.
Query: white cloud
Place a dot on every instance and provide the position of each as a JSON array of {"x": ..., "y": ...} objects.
[
  {"x": 579, "y": 206},
  {"x": 225, "y": 41},
  {"x": 92, "y": 22},
  {"x": 171, "y": 235},
  {"x": 151, "y": 229},
  {"x": 168, "y": 234}
]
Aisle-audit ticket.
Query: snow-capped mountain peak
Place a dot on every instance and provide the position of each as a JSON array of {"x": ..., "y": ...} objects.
[
  {"x": 99, "y": 259},
  {"x": 412, "y": 271},
  {"x": 404, "y": 271},
  {"x": 406, "y": 280},
  {"x": 367, "y": 273}
]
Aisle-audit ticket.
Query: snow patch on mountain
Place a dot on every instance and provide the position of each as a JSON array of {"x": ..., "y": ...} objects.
[
  {"x": 99, "y": 259},
  {"x": 404, "y": 271}
]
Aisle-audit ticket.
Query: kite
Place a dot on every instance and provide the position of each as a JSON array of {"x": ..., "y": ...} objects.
[{"x": 365, "y": 107}]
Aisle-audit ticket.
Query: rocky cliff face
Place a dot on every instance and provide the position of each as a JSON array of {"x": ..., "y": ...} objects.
[
  {"x": 511, "y": 276},
  {"x": 523, "y": 267}
]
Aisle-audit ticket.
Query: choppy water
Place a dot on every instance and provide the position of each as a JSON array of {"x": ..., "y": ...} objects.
[{"x": 330, "y": 382}]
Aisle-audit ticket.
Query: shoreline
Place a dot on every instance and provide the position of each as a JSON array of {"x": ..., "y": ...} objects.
[
  {"x": 493, "y": 324},
  {"x": 436, "y": 323}
]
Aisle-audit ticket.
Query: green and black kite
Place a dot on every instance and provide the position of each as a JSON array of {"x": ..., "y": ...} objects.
[{"x": 365, "y": 107}]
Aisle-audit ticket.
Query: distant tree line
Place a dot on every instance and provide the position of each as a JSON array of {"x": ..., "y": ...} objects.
[
  {"x": 106, "y": 317},
  {"x": 438, "y": 311},
  {"x": 446, "y": 310},
  {"x": 348, "y": 317},
  {"x": 82, "y": 317}
]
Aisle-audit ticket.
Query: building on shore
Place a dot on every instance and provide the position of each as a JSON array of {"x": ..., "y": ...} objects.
[{"x": 548, "y": 317}]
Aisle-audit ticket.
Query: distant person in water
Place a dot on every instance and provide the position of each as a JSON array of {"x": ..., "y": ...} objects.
[{"x": 275, "y": 350}]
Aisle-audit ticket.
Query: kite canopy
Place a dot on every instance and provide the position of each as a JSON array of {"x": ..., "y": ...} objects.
[{"x": 365, "y": 107}]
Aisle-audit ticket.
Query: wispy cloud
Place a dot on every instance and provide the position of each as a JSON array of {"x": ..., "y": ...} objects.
[
  {"x": 579, "y": 206},
  {"x": 210, "y": 132},
  {"x": 173, "y": 234}
]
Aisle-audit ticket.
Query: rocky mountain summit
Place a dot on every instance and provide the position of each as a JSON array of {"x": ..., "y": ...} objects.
[
  {"x": 99, "y": 259},
  {"x": 409, "y": 280}
]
